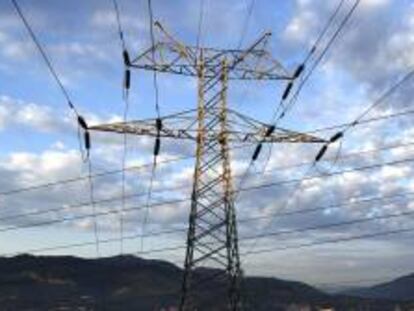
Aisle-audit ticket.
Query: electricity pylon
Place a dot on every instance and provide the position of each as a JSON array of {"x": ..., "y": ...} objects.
[{"x": 212, "y": 238}]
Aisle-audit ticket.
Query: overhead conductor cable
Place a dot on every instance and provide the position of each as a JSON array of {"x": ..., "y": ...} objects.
[
  {"x": 158, "y": 124},
  {"x": 125, "y": 96},
  {"x": 81, "y": 121}
]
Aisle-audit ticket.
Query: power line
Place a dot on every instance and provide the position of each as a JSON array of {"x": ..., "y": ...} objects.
[
  {"x": 125, "y": 96},
  {"x": 365, "y": 112},
  {"x": 254, "y": 187},
  {"x": 319, "y": 156},
  {"x": 93, "y": 205},
  {"x": 139, "y": 167},
  {"x": 332, "y": 174},
  {"x": 292, "y": 194},
  {"x": 158, "y": 120},
  {"x": 331, "y": 225},
  {"x": 333, "y": 241},
  {"x": 68, "y": 207},
  {"x": 340, "y": 125},
  {"x": 143, "y": 166},
  {"x": 355, "y": 200},
  {"x": 96, "y": 175},
  {"x": 81, "y": 122},
  {"x": 359, "y": 119},
  {"x": 94, "y": 215},
  {"x": 119, "y": 24},
  {"x": 246, "y": 23},
  {"x": 44, "y": 56},
  {"x": 111, "y": 172},
  {"x": 152, "y": 37},
  {"x": 308, "y": 56},
  {"x": 296, "y": 75},
  {"x": 358, "y": 200},
  {"x": 102, "y": 241},
  {"x": 345, "y": 127},
  {"x": 100, "y": 174},
  {"x": 247, "y": 238},
  {"x": 300, "y": 180},
  {"x": 158, "y": 144},
  {"x": 320, "y": 57},
  {"x": 123, "y": 177},
  {"x": 290, "y": 85},
  {"x": 124, "y": 157},
  {"x": 147, "y": 209},
  {"x": 363, "y": 121},
  {"x": 298, "y": 186},
  {"x": 381, "y": 99},
  {"x": 324, "y": 30}
]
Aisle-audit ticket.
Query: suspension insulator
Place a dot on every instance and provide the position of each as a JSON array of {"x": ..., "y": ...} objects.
[
  {"x": 127, "y": 79},
  {"x": 87, "y": 138},
  {"x": 298, "y": 71},
  {"x": 337, "y": 136},
  {"x": 82, "y": 123},
  {"x": 321, "y": 153},
  {"x": 222, "y": 139},
  {"x": 270, "y": 130},
  {"x": 158, "y": 124},
  {"x": 158, "y": 24},
  {"x": 287, "y": 90},
  {"x": 257, "y": 152},
  {"x": 157, "y": 146},
  {"x": 125, "y": 55}
]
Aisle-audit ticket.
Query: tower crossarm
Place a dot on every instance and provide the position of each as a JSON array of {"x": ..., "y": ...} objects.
[
  {"x": 256, "y": 131},
  {"x": 242, "y": 129},
  {"x": 172, "y": 56},
  {"x": 179, "y": 126},
  {"x": 282, "y": 136}
]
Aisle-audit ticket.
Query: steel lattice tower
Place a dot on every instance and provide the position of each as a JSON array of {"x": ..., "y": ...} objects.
[{"x": 212, "y": 239}]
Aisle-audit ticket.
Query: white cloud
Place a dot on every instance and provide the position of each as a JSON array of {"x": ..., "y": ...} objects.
[
  {"x": 104, "y": 18},
  {"x": 3, "y": 116},
  {"x": 299, "y": 27},
  {"x": 48, "y": 165},
  {"x": 38, "y": 117},
  {"x": 371, "y": 4},
  {"x": 81, "y": 50},
  {"x": 396, "y": 172}
]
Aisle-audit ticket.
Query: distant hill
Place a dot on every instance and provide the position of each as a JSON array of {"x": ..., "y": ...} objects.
[
  {"x": 399, "y": 289},
  {"x": 131, "y": 283}
]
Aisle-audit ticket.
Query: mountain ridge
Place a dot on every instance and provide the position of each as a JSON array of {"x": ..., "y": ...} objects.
[
  {"x": 127, "y": 282},
  {"x": 401, "y": 288}
]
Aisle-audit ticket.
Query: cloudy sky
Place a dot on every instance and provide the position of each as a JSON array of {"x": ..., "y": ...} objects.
[{"x": 39, "y": 142}]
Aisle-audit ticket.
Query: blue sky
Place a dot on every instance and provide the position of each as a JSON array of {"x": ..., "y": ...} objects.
[{"x": 39, "y": 141}]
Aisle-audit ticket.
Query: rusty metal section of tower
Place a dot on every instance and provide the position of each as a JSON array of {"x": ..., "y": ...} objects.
[
  {"x": 212, "y": 230},
  {"x": 212, "y": 233}
]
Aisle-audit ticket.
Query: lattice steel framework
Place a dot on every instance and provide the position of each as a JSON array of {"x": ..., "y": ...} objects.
[{"x": 212, "y": 233}]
